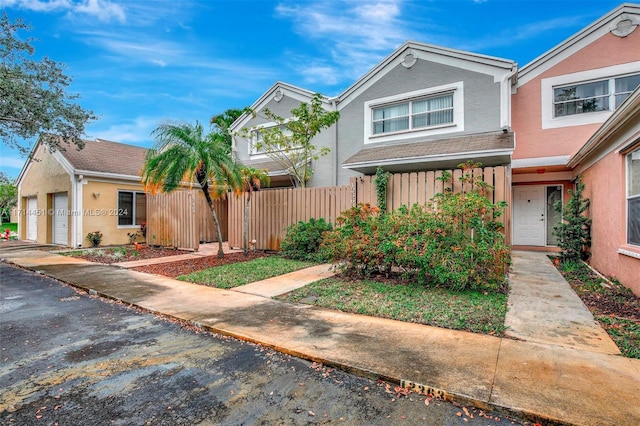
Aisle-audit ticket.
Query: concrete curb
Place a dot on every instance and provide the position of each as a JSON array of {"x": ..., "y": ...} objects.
[{"x": 498, "y": 395}]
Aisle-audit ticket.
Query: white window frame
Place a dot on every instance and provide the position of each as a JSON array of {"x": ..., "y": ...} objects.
[
  {"x": 457, "y": 89},
  {"x": 630, "y": 196},
  {"x": 608, "y": 96},
  {"x": 135, "y": 194},
  {"x": 547, "y": 86},
  {"x": 253, "y": 152}
]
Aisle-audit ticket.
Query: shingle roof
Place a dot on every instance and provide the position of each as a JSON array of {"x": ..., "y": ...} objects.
[
  {"x": 271, "y": 166},
  {"x": 107, "y": 157},
  {"x": 492, "y": 141}
]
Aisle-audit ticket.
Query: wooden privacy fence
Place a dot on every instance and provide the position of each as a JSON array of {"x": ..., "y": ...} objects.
[
  {"x": 182, "y": 219},
  {"x": 273, "y": 210}
]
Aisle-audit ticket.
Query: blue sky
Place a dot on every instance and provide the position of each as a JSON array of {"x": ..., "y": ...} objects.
[{"x": 137, "y": 63}]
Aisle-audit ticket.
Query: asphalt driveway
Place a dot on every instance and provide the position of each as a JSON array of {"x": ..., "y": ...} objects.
[{"x": 68, "y": 359}]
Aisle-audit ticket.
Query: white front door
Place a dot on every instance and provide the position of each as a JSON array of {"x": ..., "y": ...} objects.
[
  {"x": 529, "y": 204},
  {"x": 60, "y": 219},
  {"x": 32, "y": 218}
]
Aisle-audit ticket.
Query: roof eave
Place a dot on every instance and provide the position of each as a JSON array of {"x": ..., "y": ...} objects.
[
  {"x": 107, "y": 175},
  {"x": 438, "y": 157},
  {"x": 583, "y": 33},
  {"x": 506, "y": 64},
  {"x": 629, "y": 108}
]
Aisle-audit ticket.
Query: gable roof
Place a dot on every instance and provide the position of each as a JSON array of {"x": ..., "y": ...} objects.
[
  {"x": 103, "y": 156},
  {"x": 621, "y": 21},
  {"x": 100, "y": 157},
  {"x": 277, "y": 91},
  {"x": 410, "y": 51}
]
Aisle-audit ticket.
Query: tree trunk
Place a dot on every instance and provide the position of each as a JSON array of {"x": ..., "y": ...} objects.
[{"x": 214, "y": 215}]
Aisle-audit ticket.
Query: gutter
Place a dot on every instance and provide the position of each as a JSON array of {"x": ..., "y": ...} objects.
[{"x": 410, "y": 160}]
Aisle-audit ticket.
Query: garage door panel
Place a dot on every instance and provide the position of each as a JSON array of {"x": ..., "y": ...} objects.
[{"x": 60, "y": 219}]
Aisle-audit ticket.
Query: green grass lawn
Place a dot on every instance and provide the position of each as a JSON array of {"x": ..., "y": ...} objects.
[
  {"x": 12, "y": 226},
  {"x": 471, "y": 311},
  {"x": 237, "y": 274}
]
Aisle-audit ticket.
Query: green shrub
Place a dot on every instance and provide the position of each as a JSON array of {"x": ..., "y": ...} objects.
[
  {"x": 455, "y": 241},
  {"x": 95, "y": 238},
  {"x": 574, "y": 232},
  {"x": 303, "y": 239}
]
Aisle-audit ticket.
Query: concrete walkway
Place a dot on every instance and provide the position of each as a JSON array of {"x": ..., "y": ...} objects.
[
  {"x": 544, "y": 309},
  {"x": 539, "y": 380}
]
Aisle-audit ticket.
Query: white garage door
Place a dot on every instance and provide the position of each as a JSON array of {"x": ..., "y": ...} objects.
[
  {"x": 32, "y": 218},
  {"x": 60, "y": 219}
]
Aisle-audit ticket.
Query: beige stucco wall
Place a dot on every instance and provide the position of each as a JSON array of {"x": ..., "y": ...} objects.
[
  {"x": 605, "y": 187},
  {"x": 44, "y": 177},
  {"x": 532, "y": 140},
  {"x": 100, "y": 212}
]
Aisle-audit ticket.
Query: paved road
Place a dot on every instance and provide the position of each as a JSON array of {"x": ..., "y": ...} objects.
[{"x": 69, "y": 359}]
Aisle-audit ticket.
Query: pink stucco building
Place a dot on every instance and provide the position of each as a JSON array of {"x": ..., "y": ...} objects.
[{"x": 574, "y": 111}]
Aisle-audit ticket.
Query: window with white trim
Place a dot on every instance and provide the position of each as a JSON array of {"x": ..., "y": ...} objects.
[
  {"x": 415, "y": 114},
  {"x": 257, "y": 137},
  {"x": 633, "y": 197},
  {"x": 601, "y": 95},
  {"x": 424, "y": 112},
  {"x": 132, "y": 208}
]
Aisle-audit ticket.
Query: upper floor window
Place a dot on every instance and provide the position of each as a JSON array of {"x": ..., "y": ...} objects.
[
  {"x": 633, "y": 197},
  {"x": 257, "y": 138},
  {"x": 415, "y": 114},
  {"x": 624, "y": 87},
  {"x": 602, "y": 95},
  {"x": 419, "y": 113}
]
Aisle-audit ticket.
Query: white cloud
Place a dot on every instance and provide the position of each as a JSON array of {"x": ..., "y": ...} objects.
[
  {"x": 12, "y": 162},
  {"x": 38, "y": 5},
  {"x": 523, "y": 32},
  {"x": 134, "y": 131},
  {"x": 357, "y": 33},
  {"x": 135, "y": 46},
  {"x": 104, "y": 10},
  {"x": 320, "y": 74}
]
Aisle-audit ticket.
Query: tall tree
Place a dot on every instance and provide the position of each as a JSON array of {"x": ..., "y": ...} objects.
[
  {"x": 574, "y": 232},
  {"x": 222, "y": 122},
  {"x": 33, "y": 95},
  {"x": 252, "y": 180},
  {"x": 183, "y": 153},
  {"x": 8, "y": 196},
  {"x": 289, "y": 142}
]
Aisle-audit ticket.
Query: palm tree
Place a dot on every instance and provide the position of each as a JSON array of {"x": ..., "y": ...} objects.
[
  {"x": 252, "y": 180},
  {"x": 221, "y": 123},
  {"x": 183, "y": 153}
]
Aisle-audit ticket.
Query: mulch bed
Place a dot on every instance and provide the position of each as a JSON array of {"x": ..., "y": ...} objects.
[
  {"x": 618, "y": 303},
  {"x": 146, "y": 252},
  {"x": 614, "y": 300},
  {"x": 182, "y": 267}
]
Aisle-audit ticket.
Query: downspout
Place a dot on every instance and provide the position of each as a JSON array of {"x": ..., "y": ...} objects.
[
  {"x": 506, "y": 98},
  {"x": 335, "y": 163},
  {"x": 80, "y": 204},
  {"x": 509, "y": 218},
  {"x": 74, "y": 211}
]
